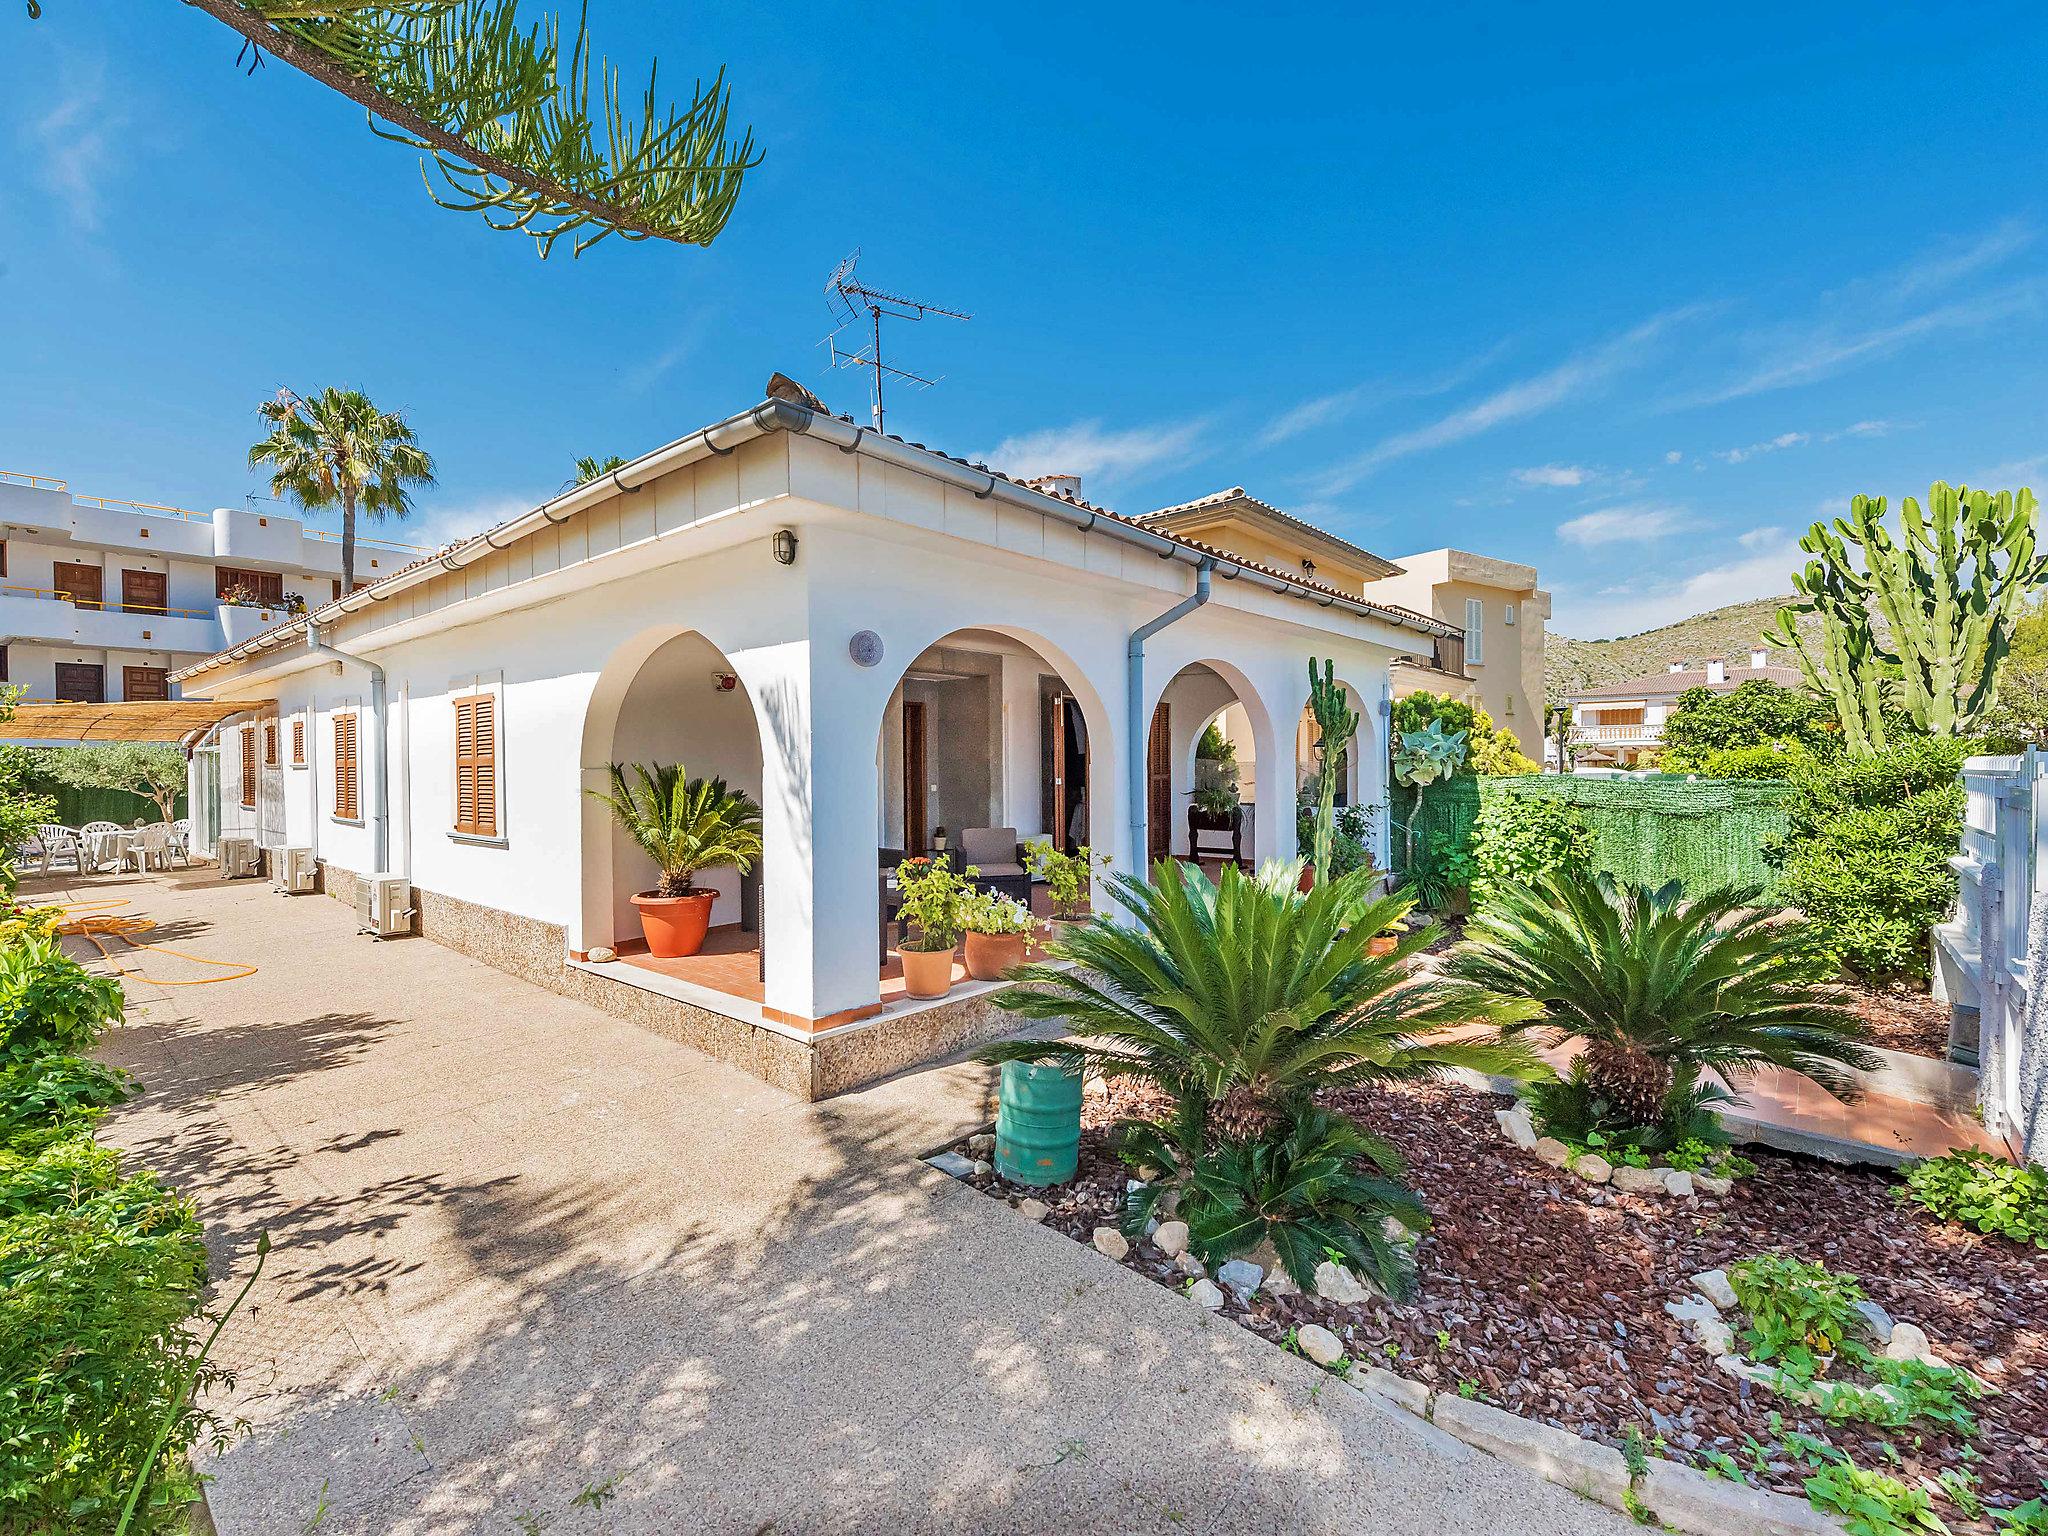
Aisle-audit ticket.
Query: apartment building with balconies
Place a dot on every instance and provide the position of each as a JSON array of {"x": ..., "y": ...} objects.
[{"x": 101, "y": 599}]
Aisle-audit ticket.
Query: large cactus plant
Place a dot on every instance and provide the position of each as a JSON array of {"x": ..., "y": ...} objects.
[
  {"x": 1947, "y": 592},
  {"x": 1336, "y": 724}
]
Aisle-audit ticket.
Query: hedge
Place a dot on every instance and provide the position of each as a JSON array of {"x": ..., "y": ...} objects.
[{"x": 1706, "y": 832}]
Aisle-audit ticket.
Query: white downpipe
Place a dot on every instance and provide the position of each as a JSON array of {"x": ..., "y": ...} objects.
[
  {"x": 380, "y": 748},
  {"x": 1136, "y": 725}
]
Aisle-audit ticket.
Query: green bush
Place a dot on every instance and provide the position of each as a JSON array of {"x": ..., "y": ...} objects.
[
  {"x": 49, "y": 1004},
  {"x": 1866, "y": 850},
  {"x": 1769, "y": 760},
  {"x": 1517, "y": 839},
  {"x": 1797, "y": 1311},
  {"x": 1756, "y": 713},
  {"x": 1983, "y": 1191}
]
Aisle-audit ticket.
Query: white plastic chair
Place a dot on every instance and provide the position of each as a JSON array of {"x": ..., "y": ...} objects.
[
  {"x": 180, "y": 845},
  {"x": 149, "y": 848},
  {"x": 95, "y": 848},
  {"x": 56, "y": 843}
]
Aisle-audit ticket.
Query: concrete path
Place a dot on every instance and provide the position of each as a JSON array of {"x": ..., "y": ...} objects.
[{"x": 536, "y": 1269}]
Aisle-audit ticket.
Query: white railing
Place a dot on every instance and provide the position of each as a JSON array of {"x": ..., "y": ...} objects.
[
  {"x": 1983, "y": 954},
  {"x": 1617, "y": 731}
]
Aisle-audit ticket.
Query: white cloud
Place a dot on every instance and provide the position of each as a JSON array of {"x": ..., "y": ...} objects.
[
  {"x": 1776, "y": 444},
  {"x": 1086, "y": 448},
  {"x": 1323, "y": 410},
  {"x": 1769, "y": 557},
  {"x": 1631, "y": 522},
  {"x": 72, "y": 145},
  {"x": 1555, "y": 475},
  {"x": 1674, "y": 456},
  {"x": 1580, "y": 374},
  {"x": 445, "y": 522}
]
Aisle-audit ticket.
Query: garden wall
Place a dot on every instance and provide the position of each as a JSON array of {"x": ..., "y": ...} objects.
[
  {"x": 76, "y": 807},
  {"x": 1706, "y": 832}
]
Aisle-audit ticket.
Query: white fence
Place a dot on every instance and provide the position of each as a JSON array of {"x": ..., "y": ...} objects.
[{"x": 1985, "y": 955}]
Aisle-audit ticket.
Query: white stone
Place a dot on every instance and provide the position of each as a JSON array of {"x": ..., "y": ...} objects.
[
  {"x": 982, "y": 1168},
  {"x": 1713, "y": 1284},
  {"x": 982, "y": 1144},
  {"x": 1516, "y": 1125},
  {"x": 1908, "y": 1342},
  {"x": 1876, "y": 1321},
  {"x": 1712, "y": 1184},
  {"x": 1552, "y": 1151},
  {"x": 1033, "y": 1210},
  {"x": 1593, "y": 1168},
  {"x": 1110, "y": 1242},
  {"x": 952, "y": 1162},
  {"x": 1241, "y": 1276},
  {"x": 1396, "y": 1231},
  {"x": 1278, "y": 1283},
  {"x": 1678, "y": 1182},
  {"x": 1319, "y": 1344},
  {"x": 1336, "y": 1283},
  {"x": 1203, "y": 1293},
  {"x": 1637, "y": 1181},
  {"x": 1188, "y": 1264},
  {"x": 1704, "y": 1323},
  {"x": 1171, "y": 1239},
  {"x": 602, "y": 953}
]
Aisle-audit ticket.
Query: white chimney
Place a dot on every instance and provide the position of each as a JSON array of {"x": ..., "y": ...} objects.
[
  {"x": 1676, "y": 666},
  {"x": 1759, "y": 657},
  {"x": 1057, "y": 485},
  {"x": 1717, "y": 671}
]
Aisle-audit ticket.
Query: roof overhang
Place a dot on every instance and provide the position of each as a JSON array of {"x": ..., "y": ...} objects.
[{"x": 170, "y": 720}]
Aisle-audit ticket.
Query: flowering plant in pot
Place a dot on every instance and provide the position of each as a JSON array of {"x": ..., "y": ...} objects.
[
  {"x": 997, "y": 927},
  {"x": 933, "y": 896},
  {"x": 686, "y": 826},
  {"x": 1065, "y": 875}
]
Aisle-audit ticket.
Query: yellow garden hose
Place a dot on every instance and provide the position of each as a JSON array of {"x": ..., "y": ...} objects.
[{"x": 93, "y": 920}]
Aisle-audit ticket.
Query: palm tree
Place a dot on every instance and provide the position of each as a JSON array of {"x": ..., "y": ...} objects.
[
  {"x": 589, "y": 467},
  {"x": 1662, "y": 989},
  {"x": 338, "y": 449},
  {"x": 1244, "y": 998},
  {"x": 685, "y": 825}
]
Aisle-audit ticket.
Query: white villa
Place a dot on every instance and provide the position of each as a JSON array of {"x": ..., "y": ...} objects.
[
  {"x": 873, "y": 638},
  {"x": 1621, "y": 725}
]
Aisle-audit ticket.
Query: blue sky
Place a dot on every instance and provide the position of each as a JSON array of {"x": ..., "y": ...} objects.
[{"x": 1627, "y": 295}]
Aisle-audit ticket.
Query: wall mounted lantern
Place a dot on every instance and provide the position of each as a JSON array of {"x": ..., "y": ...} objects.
[{"x": 785, "y": 547}]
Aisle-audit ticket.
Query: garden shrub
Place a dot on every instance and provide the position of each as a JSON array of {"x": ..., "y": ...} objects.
[
  {"x": 1866, "y": 850},
  {"x": 1490, "y": 751},
  {"x": 49, "y": 1003},
  {"x": 1984, "y": 1191},
  {"x": 1768, "y": 760},
  {"x": 1517, "y": 839},
  {"x": 1351, "y": 837},
  {"x": 1753, "y": 714}
]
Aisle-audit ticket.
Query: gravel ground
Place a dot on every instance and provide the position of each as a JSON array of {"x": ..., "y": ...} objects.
[
  {"x": 1545, "y": 1295},
  {"x": 1902, "y": 1019}
]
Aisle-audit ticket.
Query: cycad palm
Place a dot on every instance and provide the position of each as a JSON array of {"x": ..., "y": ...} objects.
[
  {"x": 338, "y": 450},
  {"x": 1662, "y": 989},
  {"x": 684, "y": 825},
  {"x": 1243, "y": 998}
]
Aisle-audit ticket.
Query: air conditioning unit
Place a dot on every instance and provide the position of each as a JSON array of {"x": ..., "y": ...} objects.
[
  {"x": 293, "y": 871},
  {"x": 384, "y": 906},
  {"x": 240, "y": 858}
]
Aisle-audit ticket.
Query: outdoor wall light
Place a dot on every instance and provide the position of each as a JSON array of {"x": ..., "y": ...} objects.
[{"x": 785, "y": 547}]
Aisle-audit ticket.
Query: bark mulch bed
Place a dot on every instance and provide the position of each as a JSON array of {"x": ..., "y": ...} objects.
[
  {"x": 1545, "y": 1295},
  {"x": 1902, "y": 1019}
]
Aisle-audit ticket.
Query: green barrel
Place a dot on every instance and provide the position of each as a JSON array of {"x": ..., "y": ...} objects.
[{"x": 1038, "y": 1123}]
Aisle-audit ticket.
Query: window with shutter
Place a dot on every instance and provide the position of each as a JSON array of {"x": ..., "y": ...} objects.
[
  {"x": 270, "y": 743},
  {"x": 298, "y": 741},
  {"x": 248, "y": 767},
  {"x": 476, "y": 765},
  {"x": 346, "y": 805},
  {"x": 1475, "y": 631}
]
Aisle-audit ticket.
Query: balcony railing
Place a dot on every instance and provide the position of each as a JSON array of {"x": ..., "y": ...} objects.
[
  {"x": 97, "y": 605},
  {"x": 1450, "y": 654},
  {"x": 34, "y": 482},
  {"x": 1617, "y": 731}
]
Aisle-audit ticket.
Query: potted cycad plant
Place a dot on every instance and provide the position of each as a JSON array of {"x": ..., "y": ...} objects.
[
  {"x": 686, "y": 826},
  {"x": 930, "y": 914},
  {"x": 997, "y": 927}
]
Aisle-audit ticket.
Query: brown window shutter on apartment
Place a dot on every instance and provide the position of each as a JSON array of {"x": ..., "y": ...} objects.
[
  {"x": 270, "y": 743},
  {"x": 299, "y": 743},
  {"x": 248, "y": 767},
  {"x": 476, "y": 765},
  {"x": 345, "y": 804}
]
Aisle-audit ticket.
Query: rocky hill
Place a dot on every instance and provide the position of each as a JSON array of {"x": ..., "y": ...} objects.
[{"x": 1726, "y": 632}]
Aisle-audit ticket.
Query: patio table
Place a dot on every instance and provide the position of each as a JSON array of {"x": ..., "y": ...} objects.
[{"x": 104, "y": 848}]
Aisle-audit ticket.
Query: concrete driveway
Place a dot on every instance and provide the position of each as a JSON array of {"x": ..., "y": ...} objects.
[{"x": 537, "y": 1269}]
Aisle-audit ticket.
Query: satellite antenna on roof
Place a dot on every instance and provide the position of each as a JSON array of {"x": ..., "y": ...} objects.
[{"x": 849, "y": 296}]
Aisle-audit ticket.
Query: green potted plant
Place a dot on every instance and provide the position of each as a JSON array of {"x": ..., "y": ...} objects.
[
  {"x": 997, "y": 929},
  {"x": 686, "y": 826},
  {"x": 1065, "y": 876},
  {"x": 932, "y": 898}
]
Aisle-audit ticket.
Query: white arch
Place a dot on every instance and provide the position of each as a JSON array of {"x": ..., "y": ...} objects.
[{"x": 1270, "y": 802}]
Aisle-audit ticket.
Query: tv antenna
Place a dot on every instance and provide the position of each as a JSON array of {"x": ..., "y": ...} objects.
[{"x": 848, "y": 297}]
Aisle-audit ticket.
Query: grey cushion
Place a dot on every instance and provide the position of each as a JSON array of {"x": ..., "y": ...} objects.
[
  {"x": 990, "y": 847},
  {"x": 1006, "y": 871}
]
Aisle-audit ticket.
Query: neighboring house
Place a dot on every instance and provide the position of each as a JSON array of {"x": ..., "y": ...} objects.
[
  {"x": 1496, "y": 659},
  {"x": 1617, "y": 725},
  {"x": 871, "y": 637},
  {"x": 100, "y": 599}
]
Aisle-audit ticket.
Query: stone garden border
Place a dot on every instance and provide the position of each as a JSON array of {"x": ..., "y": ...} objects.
[
  {"x": 1520, "y": 1131},
  {"x": 1668, "y": 1493}
]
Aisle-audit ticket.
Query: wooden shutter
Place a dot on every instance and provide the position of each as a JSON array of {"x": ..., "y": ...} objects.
[
  {"x": 346, "y": 805},
  {"x": 1159, "y": 785},
  {"x": 298, "y": 741},
  {"x": 79, "y": 583},
  {"x": 476, "y": 765},
  {"x": 81, "y": 682},
  {"x": 248, "y": 767},
  {"x": 270, "y": 743}
]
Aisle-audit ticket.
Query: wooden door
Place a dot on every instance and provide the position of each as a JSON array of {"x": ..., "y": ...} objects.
[
  {"x": 80, "y": 583},
  {"x": 1056, "y": 770},
  {"x": 145, "y": 684},
  {"x": 1159, "y": 785},
  {"x": 81, "y": 682},
  {"x": 143, "y": 591},
  {"x": 914, "y": 777}
]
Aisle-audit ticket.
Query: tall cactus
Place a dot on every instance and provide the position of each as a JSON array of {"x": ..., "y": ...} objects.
[
  {"x": 1336, "y": 724},
  {"x": 1948, "y": 592}
]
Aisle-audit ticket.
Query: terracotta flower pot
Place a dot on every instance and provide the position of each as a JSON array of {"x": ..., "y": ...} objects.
[
  {"x": 1385, "y": 944},
  {"x": 990, "y": 955},
  {"x": 927, "y": 972},
  {"x": 675, "y": 925},
  {"x": 1307, "y": 882}
]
